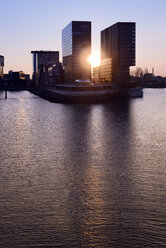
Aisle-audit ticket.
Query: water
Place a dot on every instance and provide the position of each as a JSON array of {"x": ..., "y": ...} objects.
[{"x": 82, "y": 175}]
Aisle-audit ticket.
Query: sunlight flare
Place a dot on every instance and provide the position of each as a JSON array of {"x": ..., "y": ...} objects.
[{"x": 94, "y": 60}]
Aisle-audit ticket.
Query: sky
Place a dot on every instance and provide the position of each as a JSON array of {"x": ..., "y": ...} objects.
[{"x": 28, "y": 25}]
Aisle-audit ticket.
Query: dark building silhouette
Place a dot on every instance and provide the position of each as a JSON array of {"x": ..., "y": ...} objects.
[
  {"x": 1, "y": 66},
  {"x": 18, "y": 75},
  {"x": 76, "y": 48},
  {"x": 17, "y": 79},
  {"x": 118, "y": 44},
  {"x": 103, "y": 73},
  {"x": 54, "y": 75},
  {"x": 42, "y": 60},
  {"x": 96, "y": 75}
]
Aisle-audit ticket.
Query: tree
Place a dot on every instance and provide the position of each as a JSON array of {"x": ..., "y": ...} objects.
[{"x": 138, "y": 72}]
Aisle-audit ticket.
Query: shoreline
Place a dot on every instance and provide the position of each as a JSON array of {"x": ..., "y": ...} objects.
[{"x": 86, "y": 94}]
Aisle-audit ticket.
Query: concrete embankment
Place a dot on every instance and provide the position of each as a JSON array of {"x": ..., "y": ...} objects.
[
  {"x": 64, "y": 96},
  {"x": 72, "y": 93}
]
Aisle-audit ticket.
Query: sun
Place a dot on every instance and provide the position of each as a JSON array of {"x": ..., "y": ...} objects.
[{"x": 94, "y": 60}]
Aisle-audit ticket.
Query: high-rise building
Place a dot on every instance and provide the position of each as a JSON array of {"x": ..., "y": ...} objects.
[
  {"x": 42, "y": 60},
  {"x": 1, "y": 66},
  {"x": 118, "y": 44},
  {"x": 76, "y": 49}
]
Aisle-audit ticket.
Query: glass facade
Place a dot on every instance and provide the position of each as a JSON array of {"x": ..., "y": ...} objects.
[
  {"x": 42, "y": 60},
  {"x": 96, "y": 75},
  {"x": 67, "y": 51},
  {"x": 103, "y": 73},
  {"x": 35, "y": 69},
  {"x": 106, "y": 71},
  {"x": 1, "y": 60},
  {"x": 118, "y": 43},
  {"x": 76, "y": 48},
  {"x": 126, "y": 44},
  {"x": 1, "y": 66},
  {"x": 67, "y": 40}
]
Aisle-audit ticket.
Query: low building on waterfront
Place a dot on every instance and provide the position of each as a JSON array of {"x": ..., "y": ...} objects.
[
  {"x": 54, "y": 75},
  {"x": 16, "y": 80},
  {"x": 18, "y": 75},
  {"x": 5, "y": 76}
]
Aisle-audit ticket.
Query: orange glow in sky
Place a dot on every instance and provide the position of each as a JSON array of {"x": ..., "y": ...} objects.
[{"x": 26, "y": 15}]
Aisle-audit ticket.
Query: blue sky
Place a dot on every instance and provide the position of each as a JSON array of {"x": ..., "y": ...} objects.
[{"x": 37, "y": 24}]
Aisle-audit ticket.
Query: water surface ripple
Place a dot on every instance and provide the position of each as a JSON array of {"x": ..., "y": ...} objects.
[{"x": 82, "y": 175}]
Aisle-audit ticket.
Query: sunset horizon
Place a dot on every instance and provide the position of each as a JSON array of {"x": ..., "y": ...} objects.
[
  {"x": 83, "y": 123},
  {"x": 37, "y": 25}
]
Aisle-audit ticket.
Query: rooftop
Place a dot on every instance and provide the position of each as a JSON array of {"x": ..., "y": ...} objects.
[{"x": 42, "y": 51}]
